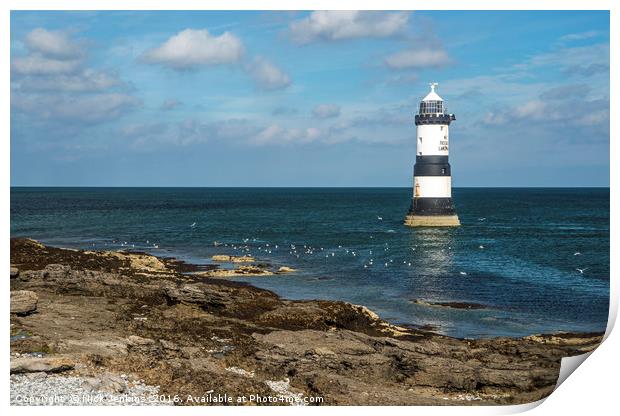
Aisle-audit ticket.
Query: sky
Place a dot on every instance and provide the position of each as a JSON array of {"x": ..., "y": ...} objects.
[{"x": 323, "y": 98}]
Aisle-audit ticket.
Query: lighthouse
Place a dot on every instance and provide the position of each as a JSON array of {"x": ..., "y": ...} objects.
[{"x": 431, "y": 205}]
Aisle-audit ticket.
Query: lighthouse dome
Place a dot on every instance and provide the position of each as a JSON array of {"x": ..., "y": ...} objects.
[
  {"x": 432, "y": 96},
  {"x": 432, "y": 103}
]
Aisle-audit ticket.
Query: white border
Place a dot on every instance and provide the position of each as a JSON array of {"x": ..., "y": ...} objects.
[{"x": 592, "y": 389}]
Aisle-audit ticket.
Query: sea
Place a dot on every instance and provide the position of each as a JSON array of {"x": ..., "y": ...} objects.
[{"x": 537, "y": 259}]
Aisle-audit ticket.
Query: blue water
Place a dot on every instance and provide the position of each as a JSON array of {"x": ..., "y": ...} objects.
[{"x": 514, "y": 252}]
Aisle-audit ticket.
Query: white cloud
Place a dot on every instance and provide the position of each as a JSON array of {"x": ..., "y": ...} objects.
[
  {"x": 89, "y": 109},
  {"x": 533, "y": 109},
  {"x": 54, "y": 44},
  {"x": 566, "y": 91},
  {"x": 86, "y": 80},
  {"x": 324, "y": 111},
  {"x": 37, "y": 64},
  {"x": 274, "y": 134},
  {"x": 580, "y": 36},
  {"x": 569, "y": 110},
  {"x": 336, "y": 25},
  {"x": 50, "y": 52},
  {"x": 594, "y": 118},
  {"x": 54, "y": 92},
  {"x": 418, "y": 58},
  {"x": 193, "y": 48},
  {"x": 266, "y": 75},
  {"x": 580, "y": 60},
  {"x": 231, "y": 131},
  {"x": 494, "y": 118}
]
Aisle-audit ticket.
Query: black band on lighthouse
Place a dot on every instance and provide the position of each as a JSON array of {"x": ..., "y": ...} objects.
[
  {"x": 431, "y": 159},
  {"x": 431, "y": 169},
  {"x": 432, "y": 206}
]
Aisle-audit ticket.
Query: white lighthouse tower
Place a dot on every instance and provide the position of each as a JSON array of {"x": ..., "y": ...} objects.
[{"x": 431, "y": 205}]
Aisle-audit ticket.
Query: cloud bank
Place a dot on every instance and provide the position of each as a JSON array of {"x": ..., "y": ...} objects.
[
  {"x": 190, "y": 49},
  {"x": 335, "y": 25},
  {"x": 323, "y": 111},
  {"x": 266, "y": 75}
]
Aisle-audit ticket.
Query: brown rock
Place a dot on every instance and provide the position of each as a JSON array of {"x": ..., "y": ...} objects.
[
  {"x": 56, "y": 271},
  {"x": 233, "y": 259},
  {"x": 45, "y": 364},
  {"x": 23, "y": 302},
  {"x": 195, "y": 293},
  {"x": 14, "y": 272},
  {"x": 135, "y": 340},
  {"x": 169, "y": 345},
  {"x": 239, "y": 271}
]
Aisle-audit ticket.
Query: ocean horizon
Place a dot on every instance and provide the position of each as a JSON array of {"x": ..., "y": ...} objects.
[{"x": 302, "y": 187}]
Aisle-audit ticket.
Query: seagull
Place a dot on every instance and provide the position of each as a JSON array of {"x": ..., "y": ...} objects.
[
  {"x": 581, "y": 270},
  {"x": 577, "y": 254},
  {"x": 481, "y": 246},
  {"x": 481, "y": 219},
  {"x": 463, "y": 273},
  {"x": 193, "y": 225},
  {"x": 380, "y": 218},
  {"x": 408, "y": 264}
]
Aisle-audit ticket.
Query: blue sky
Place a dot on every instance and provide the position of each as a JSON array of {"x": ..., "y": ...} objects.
[{"x": 306, "y": 98}]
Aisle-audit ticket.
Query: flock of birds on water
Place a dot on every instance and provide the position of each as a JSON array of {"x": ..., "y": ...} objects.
[{"x": 301, "y": 250}]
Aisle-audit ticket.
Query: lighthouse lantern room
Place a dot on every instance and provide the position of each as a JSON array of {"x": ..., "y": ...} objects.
[{"x": 431, "y": 204}]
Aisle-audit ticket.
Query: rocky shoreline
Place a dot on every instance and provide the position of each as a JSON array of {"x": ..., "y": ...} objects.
[{"x": 183, "y": 334}]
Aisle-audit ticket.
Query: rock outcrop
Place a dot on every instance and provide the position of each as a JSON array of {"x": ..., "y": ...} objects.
[
  {"x": 189, "y": 334},
  {"x": 23, "y": 302},
  {"x": 225, "y": 258},
  {"x": 40, "y": 364},
  {"x": 245, "y": 271}
]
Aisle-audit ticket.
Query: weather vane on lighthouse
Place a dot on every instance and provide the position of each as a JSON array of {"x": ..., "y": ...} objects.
[{"x": 431, "y": 205}]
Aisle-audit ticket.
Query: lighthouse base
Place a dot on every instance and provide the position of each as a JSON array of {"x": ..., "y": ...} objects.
[{"x": 412, "y": 220}]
